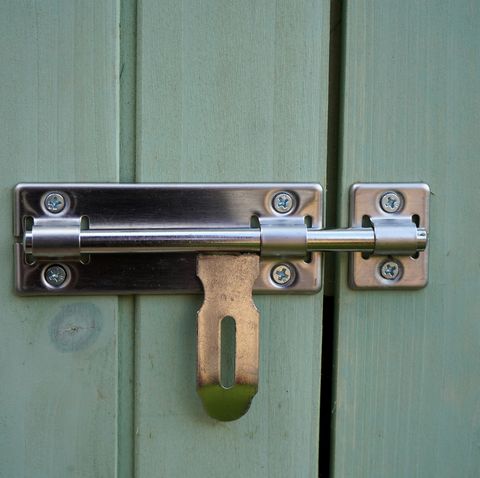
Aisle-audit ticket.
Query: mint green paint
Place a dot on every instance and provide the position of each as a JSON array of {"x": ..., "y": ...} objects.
[
  {"x": 58, "y": 356},
  {"x": 237, "y": 91},
  {"x": 230, "y": 91},
  {"x": 407, "y": 369}
]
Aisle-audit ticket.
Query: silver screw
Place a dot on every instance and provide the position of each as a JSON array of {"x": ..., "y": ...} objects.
[
  {"x": 283, "y": 274},
  {"x": 283, "y": 202},
  {"x": 391, "y": 202},
  {"x": 390, "y": 270},
  {"x": 55, "y": 275},
  {"x": 54, "y": 202}
]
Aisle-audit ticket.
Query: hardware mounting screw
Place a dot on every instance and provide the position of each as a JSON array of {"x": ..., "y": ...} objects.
[
  {"x": 54, "y": 202},
  {"x": 283, "y": 202},
  {"x": 391, "y": 202},
  {"x": 55, "y": 275},
  {"x": 283, "y": 274},
  {"x": 390, "y": 270}
]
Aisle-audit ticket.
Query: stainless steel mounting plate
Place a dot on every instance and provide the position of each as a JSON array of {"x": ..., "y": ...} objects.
[
  {"x": 366, "y": 206},
  {"x": 137, "y": 206}
]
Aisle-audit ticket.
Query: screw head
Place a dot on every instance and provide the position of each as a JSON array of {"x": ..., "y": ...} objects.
[
  {"x": 54, "y": 202},
  {"x": 283, "y": 202},
  {"x": 55, "y": 275},
  {"x": 391, "y": 202},
  {"x": 283, "y": 274},
  {"x": 390, "y": 270}
]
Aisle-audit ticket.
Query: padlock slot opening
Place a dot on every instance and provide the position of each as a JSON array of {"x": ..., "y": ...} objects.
[{"x": 228, "y": 348}]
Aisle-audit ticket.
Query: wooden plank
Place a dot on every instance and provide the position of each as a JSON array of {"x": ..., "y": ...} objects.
[
  {"x": 407, "y": 392},
  {"x": 58, "y": 356},
  {"x": 230, "y": 91}
]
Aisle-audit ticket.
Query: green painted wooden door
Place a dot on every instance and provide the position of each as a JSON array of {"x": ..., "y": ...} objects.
[
  {"x": 224, "y": 90},
  {"x": 407, "y": 391},
  {"x": 154, "y": 91}
]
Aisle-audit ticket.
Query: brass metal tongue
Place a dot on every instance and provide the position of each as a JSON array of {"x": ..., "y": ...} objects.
[{"x": 228, "y": 282}]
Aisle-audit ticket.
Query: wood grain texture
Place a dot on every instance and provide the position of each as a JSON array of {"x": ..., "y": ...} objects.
[
  {"x": 230, "y": 91},
  {"x": 58, "y": 356},
  {"x": 407, "y": 382}
]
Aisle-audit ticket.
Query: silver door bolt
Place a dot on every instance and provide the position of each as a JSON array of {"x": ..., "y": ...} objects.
[
  {"x": 283, "y": 274},
  {"x": 55, "y": 275},
  {"x": 54, "y": 202},
  {"x": 283, "y": 202},
  {"x": 390, "y": 270},
  {"x": 391, "y": 202}
]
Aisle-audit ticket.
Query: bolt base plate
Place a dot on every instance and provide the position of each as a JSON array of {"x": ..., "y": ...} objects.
[{"x": 137, "y": 206}]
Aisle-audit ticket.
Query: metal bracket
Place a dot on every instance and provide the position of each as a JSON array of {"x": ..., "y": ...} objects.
[
  {"x": 395, "y": 211},
  {"x": 144, "y": 238}
]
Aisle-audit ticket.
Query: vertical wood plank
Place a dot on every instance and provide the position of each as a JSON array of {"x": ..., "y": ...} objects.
[
  {"x": 58, "y": 356},
  {"x": 407, "y": 387},
  {"x": 230, "y": 91}
]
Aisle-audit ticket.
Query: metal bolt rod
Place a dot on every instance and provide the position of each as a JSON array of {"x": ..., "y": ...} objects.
[
  {"x": 109, "y": 241},
  {"x": 240, "y": 240},
  {"x": 346, "y": 240}
]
